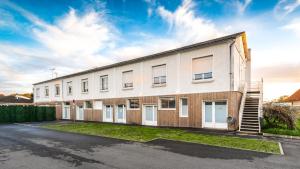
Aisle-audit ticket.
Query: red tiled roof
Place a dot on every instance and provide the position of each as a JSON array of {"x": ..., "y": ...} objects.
[{"x": 294, "y": 97}]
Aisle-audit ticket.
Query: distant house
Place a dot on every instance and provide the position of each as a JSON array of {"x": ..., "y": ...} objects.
[
  {"x": 15, "y": 100},
  {"x": 294, "y": 99}
]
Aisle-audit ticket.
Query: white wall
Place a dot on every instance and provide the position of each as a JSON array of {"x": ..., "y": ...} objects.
[
  {"x": 239, "y": 60},
  {"x": 178, "y": 71}
]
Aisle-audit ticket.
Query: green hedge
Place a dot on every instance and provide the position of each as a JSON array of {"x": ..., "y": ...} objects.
[{"x": 13, "y": 113}]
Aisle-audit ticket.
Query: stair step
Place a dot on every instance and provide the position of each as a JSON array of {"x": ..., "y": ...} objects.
[
  {"x": 250, "y": 123},
  {"x": 250, "y": 115},
  {"x": 250, "y": 126},
  {"x": 249, "y": 129}
]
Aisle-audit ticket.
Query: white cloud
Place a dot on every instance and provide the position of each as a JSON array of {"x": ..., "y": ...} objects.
[
  {"x": 186, "y": 26},
  {"x": 293, "y": 26},
  {"x": 285, "y": 7},
  {"x": 242, "y": 5}
]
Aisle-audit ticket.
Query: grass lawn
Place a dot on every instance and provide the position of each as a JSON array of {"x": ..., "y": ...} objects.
[
  {"x": 144, "y": 134},
  {"x": 284, "y": 131}
]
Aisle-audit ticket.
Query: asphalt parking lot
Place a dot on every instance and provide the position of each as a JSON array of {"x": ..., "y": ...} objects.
[{"x": 31, "y": 147}]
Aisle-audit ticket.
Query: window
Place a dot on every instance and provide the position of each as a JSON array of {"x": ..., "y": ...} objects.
[
  {"x": 57, "y": 90},
  {"x": 159, "y": 74},
  {"x": 127, "y": 79},
  {"x": 133, "y": 103},
  {"x": 184, "y": 107},
  {"x": 88, "y": 105},
  {"x": 46, "y": 91},
  {"x": 84, "y": 86},
  {"x": 98, "y": 105},
  {"x": 69, "y": 88},
  {"x": 167, "y": 102},
  {"x": 202, "y": 68},
  {"x": 37, "y": 92},
  {"x": 104, "y": 82}
]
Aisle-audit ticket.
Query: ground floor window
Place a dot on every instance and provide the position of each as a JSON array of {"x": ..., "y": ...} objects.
[
  {"x": 133, "y": 103},
  {"x": 184, "y": 107},
  {"x": 88, "y": 105},
  {"x": 120, "y": 113},
  {"x": 215, "y": 114},
  {"x": 167, "y": 103}
]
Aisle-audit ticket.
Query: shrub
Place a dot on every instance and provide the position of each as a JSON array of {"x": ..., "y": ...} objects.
[{"x": 279, "y": 116}]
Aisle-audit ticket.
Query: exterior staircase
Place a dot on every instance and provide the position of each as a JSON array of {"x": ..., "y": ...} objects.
[{"x": 250, "y": 111}]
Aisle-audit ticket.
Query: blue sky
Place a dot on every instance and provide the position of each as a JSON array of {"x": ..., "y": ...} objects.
[{"x": 73, "y": 35}]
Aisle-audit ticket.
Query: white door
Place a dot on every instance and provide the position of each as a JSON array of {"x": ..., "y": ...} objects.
[
  {"x": 79, "y": 113},
  {"x": 215, "y": 114},
  {"x": 108, "y": 113},
  {"x": 120, "y": 114},
  {"x": 66, "y": 112},
  {"x": 150, "y": 115}
]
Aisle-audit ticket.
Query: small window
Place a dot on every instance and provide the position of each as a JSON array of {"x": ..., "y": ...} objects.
[
  {"x": 167, "y": 102},
  {"x": 57, "y": 90},
  {"x": 184, "y": 107},
  {"x": 127, "y": 79},
  {"x": 88, "y": 105},
  {"x": 69, "y": 88},
  {"x": 37, "y": 92},
  {"x": 133, "y": 103},
  {"x": 46, "y": 91},
  {"x": 104, "y": 82},
  {"x": 159, "y": 75},
  {"x": 84, "y": 86},
  {"x": 202, "y": 68}
]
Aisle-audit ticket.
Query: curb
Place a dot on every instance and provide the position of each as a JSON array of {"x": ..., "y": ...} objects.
[
  {"x": 281, "y": 136},
  {"x": 280, "y": 148}
]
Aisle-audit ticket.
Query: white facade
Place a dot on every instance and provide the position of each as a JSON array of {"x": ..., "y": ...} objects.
[{"x": 179, "y": 76}]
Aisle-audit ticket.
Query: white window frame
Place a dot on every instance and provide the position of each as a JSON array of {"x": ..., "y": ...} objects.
[
  {"x": 159, "y": 103},
  {"x": 117, "y": 120},
  {"x": 180, "y": 107},
  {"x": 160, "y": 84},
  {"x": 124, "y": 84},
  {"x": 128, "y": 104},
  {"x": 85, "y": 90},
  {"x": 69, "y": 85},
  {"x": 202, "y": 74},
  {"x": 98, "y": 105},
  {"x": 104, "y": 119},
  {"x": 214, "y": 124},
  {"x": 57, "y": 92},
  {"x": 101, "y": 84},
  {"x": 46, "y": 91}
]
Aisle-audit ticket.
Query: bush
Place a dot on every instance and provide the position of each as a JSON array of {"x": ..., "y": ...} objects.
[
  {"x": 277, "y": 116},
  {"x": 12, "y": 114}
]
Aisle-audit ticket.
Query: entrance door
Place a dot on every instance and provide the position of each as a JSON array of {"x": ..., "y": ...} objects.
[
  {"x": 108, "y": 113},
  {"x": 120, "y": 114},
  {"x": 215, "y": 114},
  {"x": 150, "y": 115},
  {"x": 66, "y": 112},
  {"x": 79, "y": 113}
]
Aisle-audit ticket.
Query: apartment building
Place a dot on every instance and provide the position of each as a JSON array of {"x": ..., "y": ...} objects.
[{"x": 199, "y": 85}]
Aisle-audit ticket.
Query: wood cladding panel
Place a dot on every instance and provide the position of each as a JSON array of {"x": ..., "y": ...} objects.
[{"x": 170, "y": 117}]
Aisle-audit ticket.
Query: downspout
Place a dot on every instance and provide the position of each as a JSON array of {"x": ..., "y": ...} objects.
[{"x": 230, "y": 65}]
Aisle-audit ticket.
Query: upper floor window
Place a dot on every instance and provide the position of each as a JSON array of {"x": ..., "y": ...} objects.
[
  {"x": 69, "y": 88},
  {"x": 37, "y": 92},
  {"x": 84, "y": 86},
  {"x": 57, "y": 90},
  {"x": 104, "y": 82},
  {"x": 127, "y": 79},
  {"x": 202, "y": 68},
  {"x": 159, "y": 74},
  {"x": 46, "y": 91}
]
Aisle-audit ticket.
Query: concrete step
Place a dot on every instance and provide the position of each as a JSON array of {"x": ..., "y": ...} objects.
[
  {"x": 250, "y": 126},
  {"x": 249, "y": 130}
]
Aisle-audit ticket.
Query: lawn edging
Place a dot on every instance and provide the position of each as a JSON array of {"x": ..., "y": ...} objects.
[{"x": 281, "y": 136}]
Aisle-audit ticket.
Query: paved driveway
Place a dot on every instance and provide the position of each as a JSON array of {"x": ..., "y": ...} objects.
[{"x": 27, "y": 147}]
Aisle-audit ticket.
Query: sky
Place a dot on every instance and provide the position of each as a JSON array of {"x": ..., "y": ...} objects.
[{"x": 75, "y": 35}]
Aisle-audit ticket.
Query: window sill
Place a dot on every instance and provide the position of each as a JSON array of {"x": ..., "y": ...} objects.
[
  {"x": 203, "y": 81},
  {"x": 104, "y": 90},
  {"x": 84, "y": 92},
  {"x": 159, "y": 85},
  {"x": 167, "y": 109},
  {"x": 128, "y": 88},
  {"x": 183, "y": 116}
]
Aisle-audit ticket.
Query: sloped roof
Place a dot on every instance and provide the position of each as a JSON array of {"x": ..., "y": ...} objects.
[
  {"x": 14, "y": 99},
  {"x": 161, "y": 54},
  {"x": 294, "y": 97}
]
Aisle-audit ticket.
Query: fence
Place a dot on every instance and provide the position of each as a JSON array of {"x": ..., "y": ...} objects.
[{"x": 18, "y": 113}]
